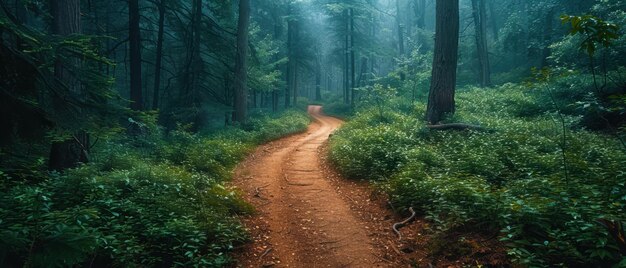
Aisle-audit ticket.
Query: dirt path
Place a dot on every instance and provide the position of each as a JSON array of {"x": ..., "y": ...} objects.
[
  {"x": 309, "y": 216},
  {"x": 303, "y": 219}
]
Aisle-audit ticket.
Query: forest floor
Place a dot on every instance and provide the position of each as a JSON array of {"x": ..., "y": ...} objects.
[{"x": 308, "y": 216}]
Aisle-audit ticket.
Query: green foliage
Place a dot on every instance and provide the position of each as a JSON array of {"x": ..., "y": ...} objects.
[
  {"x": 596, "y": 31},
  {"x": 508, "y": 179},
  {"x": 144, "y": 201},
  {"x": 377, "y": 96},
  {"x": 370, "y": 146},
  {"x": 335, "y": 106}
]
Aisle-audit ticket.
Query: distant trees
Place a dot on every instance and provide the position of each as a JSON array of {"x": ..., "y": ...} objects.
[
  {"x": 442, "y": 87},
  {"x": 480, "y": 25},
  {"x": 134, "y": 40},
  {"x": 158, "y": 54}
]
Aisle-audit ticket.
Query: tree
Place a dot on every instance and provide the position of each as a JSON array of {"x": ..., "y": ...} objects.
[
  {"x": 441, "y": 95},
  {"x": 134, "y": 38},
  {"x": 420, "y": 13},
  {"x": 66, "y": 21},
  {"x": 159, "y": 55},
  {"x": 400, "y": 29},
  {"x": 480, "y": 26},
  {"x": 318, "y": 76},
  {"x": 241, "y": 75}
]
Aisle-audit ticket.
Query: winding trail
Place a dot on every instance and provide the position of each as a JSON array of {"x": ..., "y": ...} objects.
[{"x": 302, "y": 219}]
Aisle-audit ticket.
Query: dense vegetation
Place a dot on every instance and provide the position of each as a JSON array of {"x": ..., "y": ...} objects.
[
  {"x": 145, "y": 201},
  {"x": 121, "y": 121},
  {"x": 509, "y": 178},
  {"x": 538, "y": 163}
]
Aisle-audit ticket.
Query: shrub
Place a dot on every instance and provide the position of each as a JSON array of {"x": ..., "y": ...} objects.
[
  {"x": 143, "y": 201},
  {"x": 510, "y": 178}
]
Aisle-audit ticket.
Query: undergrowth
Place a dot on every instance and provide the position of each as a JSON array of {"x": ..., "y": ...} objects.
[
  {"x": 508, "y": 179},
  {"x": 153, "y": 200}
]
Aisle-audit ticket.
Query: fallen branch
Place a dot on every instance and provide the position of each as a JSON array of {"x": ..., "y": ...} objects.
[
  {"x": 401, "y": 224},
  {"x": 267, "y": 251},
  {"x": 257, "y": 191},
  {"x": 455, "y": 126}
]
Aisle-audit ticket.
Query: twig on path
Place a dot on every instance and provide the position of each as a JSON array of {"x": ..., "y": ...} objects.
[
  {"x": 267, "y": 251},
  {"x": 399, "y": 225},
  {"x": 394, "y": 248},
  {"x": 257, "y": 191},
  {"x": 299, "y": 183},
  {"x": 383, "y": 258}
]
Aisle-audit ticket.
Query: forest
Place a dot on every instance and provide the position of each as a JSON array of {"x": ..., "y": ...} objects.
[{"x": 312, "y": 133}]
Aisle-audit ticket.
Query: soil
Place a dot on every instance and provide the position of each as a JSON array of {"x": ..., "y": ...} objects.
[{"x": 309, "y": 216}]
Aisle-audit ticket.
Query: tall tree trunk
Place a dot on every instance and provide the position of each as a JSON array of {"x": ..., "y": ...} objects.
[
  {"x": 291, "y": 61},
  {"x": 295, "y": 84},
  {"x": 294, "y": 65},
  {"x": 159, "y": 57},
  {"x": 134, "y": 38},
  {"x": 441, "y": 95},
  {"x": 352, "y": 69},
  {"x": 66, "y": 21},
  {"x": 241, "y": 67},
  {"x": 362, "y": 72},
  {"x": 346, "y": 77},
  {"x": 277, "y": 36},
  {"x": 480, "y": 26},
  {"x": 547, "y": 37},
  {"x": 400, "y": 30},
  {"x": 197, "y": 62},
  {"x": 494, "y": 19},
  {"x": 318, "y": 78},
  {"x": 420, "y": 13}
]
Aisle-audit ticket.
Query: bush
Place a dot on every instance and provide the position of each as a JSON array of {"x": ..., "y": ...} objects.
[
  {"x": 509, "y": 178},
  {"x": 163, "y": 203},
  {"x": 361, "y": 150}
]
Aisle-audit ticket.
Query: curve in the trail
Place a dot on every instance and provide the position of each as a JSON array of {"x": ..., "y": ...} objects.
[{"x": 302, "y": 221}]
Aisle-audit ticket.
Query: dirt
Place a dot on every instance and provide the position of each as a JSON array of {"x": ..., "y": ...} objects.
[{"x": 309, "y": 216}]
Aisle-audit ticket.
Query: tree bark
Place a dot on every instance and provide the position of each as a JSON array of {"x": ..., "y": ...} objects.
[
  {"x": 352, "y": 69},
  {"x": 196, "y": 59},
  {"x": 159, "y": 57},
  {"x": 241, "y": 74},
  {"x": 441, "y": 95},
  {"x": 346, "y": 72},
  {"x": 494, "y": 19},
  {"x": 318, "y": 78},
  {"x": 66, "y": 21},
  {"x": 547, "y": 38},
  {"x": 362, "y": 71},
  {"x": 420, "y": 13},
  {"x": 277, "y": 36},
  {"x": 291, "y": 61},
  {"x": 480, "y": 26},
  {"x": 295, "y": 84},
  {"x": 134, "y": 38},
  {"x": 400, "y": 30}
]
